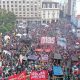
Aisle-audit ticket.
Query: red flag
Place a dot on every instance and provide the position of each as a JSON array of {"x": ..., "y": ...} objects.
[{"x": 20, "y": 76}]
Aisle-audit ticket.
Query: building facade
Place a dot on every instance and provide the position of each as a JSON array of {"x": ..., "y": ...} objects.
[
  {"x": 31, "y": 10},
  {"x": 50, "y": 11}
]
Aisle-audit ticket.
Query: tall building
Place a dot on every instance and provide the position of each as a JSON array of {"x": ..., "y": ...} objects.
[
  {"x": 23, "y": 9},
  {"x": 32, "y": 10}
]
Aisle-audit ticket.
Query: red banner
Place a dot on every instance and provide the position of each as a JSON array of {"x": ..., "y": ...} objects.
[
  {"x": 42, "y": 75},
  {"x": 34, "y": 75},
  {"x": 47, "y": 40},
  {"x": 13, "y": 77},
  {"x": 20, "y": 76}
]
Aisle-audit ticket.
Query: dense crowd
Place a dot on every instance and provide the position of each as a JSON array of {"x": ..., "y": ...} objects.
[{"x": 19, "y": 55}]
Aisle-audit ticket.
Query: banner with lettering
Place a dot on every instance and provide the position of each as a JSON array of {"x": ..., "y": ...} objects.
[
  {"x": 47, "y": 40},
  {"x": 20, "y": 76},
  {"x": 41, "y": 75},
  {"x": 34, "y": 75}
]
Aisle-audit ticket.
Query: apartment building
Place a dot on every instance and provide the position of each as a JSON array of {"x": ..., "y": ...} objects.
[{"x": 32, "y": 11}]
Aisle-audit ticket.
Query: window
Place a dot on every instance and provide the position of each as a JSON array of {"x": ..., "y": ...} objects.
[
  {"x": 50, "y": 5},
  {"x": 27, "y": 15},
  {"x": 31, "y": 12},
  {"x": 3, "y": 1},
  {"x": 27, "y": 5},
  {"x": 16, "y": 13},
  {"x": 55, "y": 5},
  {"x": 15, "y": 1},
  {"x": 27, "y": 2},
  {"x": 7, "y": 5},
  {"x": 23, "y": 12},
  {"x": 11, "y": 5},
  {"x": 24, "y": 9},
  {"x": 31, "y": 9},
  {"x": 39, "y": 15},
  {"x": 27, "y": 9},
  {"x": 15, "y": 5},
  {"x": 19, "y": 1},
  {"x": 35, "y": 2},
  {"x": 19, "y": 9},
  {"x": 11, "y": 1},
  {"x": 43, "y": 5},
  {"x": 12, "y": 9},
  {"x": 23, "y": 1},
  {"x": 35, "y": 9},
  {"x": 23, "y": 6},
  {"x": 19, "y": 5},
  {"x": 7, "y": 1},
  {"x": 4, "y": 6},
  {"x": 35, "y": 15},
  {"x": 15, "y": 9},
  {"x": 20, "y": 13},
  {"x": 31, "y": 1},
  {"x": 31, "y": 6},
  {"x": 24, "y": 15},
  {"x": 0, "y": 6},
  {"x": 35, "y": 6}
]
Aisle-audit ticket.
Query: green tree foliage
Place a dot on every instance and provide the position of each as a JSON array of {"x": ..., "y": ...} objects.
[{"x": 7, "y": 21}]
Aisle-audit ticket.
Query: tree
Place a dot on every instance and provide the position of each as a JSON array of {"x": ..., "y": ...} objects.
[{"x": 7, "y": 21}]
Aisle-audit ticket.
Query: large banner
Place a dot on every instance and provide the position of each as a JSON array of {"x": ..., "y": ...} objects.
[
  {"x": 34, "y": 75},
  {"x": 20, "y": 76},
  {"x": 47, "y": 40},
  {"x": 41, "y": 75}
]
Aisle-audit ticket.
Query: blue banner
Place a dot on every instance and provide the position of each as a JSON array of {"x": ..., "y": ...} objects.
[{"x": 57, "y": 70}]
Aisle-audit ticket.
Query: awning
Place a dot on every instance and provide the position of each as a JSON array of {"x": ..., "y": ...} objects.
[
  {"x": 74, "y": 58},
  {"x": 57, "y": 56}
]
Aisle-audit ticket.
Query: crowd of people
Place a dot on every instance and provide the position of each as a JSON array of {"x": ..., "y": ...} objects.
[{"x": 19, "y": 55}]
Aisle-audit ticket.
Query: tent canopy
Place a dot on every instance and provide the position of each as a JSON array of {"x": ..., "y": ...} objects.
[{"x": 57, "y": 56}]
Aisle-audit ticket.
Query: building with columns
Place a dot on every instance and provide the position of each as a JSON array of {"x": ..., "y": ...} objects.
[{"x": 50, "y": 11}]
